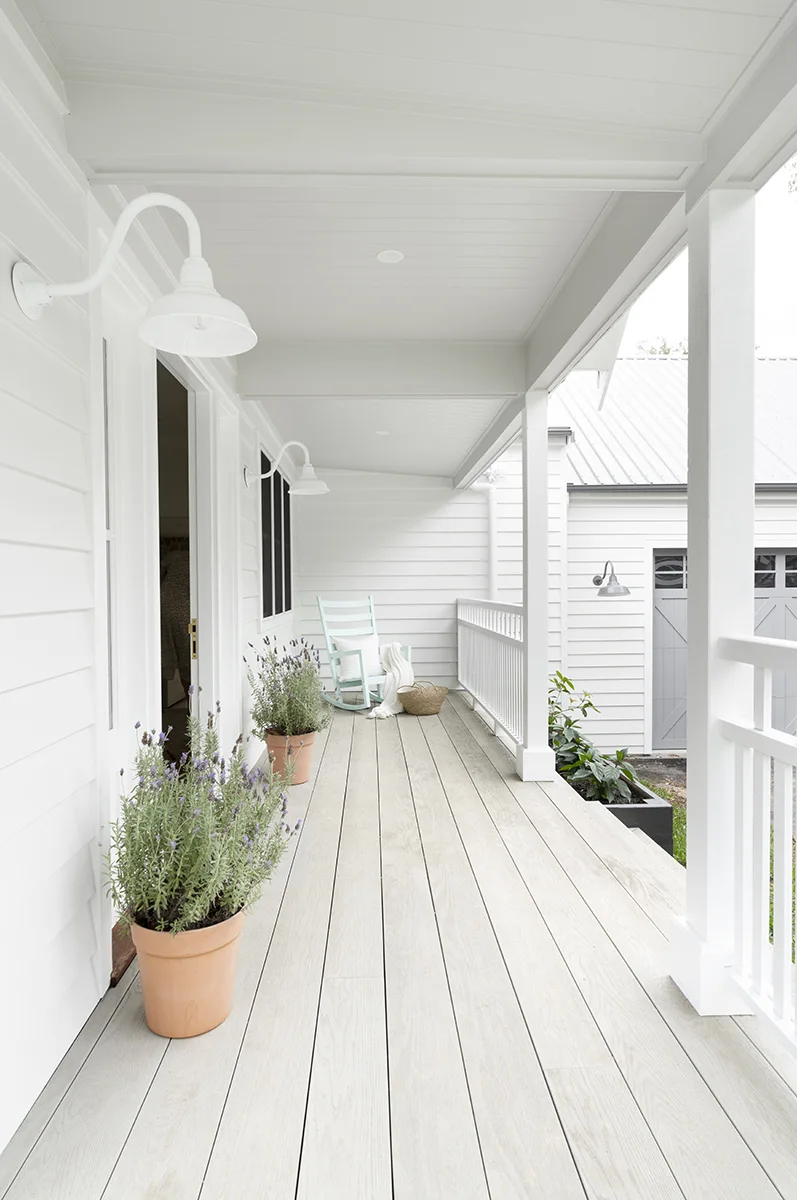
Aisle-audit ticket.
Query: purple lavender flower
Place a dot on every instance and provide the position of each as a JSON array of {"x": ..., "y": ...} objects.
[
  {"x": 172, "y": 844},
  {"x": 137, "y": 725}
]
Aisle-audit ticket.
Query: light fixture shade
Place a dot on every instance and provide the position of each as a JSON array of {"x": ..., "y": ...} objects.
[
  {"x": 308, "y": 483},
  {"x": 195, "y": 320},
  {"x": 613, "y": 588}
]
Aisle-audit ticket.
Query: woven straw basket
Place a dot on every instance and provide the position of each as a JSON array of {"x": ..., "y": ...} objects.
[{"x": 423, "y": 698}]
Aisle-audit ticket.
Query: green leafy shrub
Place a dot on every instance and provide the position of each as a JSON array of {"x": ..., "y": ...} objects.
[
  {"x": 286, "y": 690},
  {"x": 195, "y": 840},
  {"x": 594, "y": 775}
]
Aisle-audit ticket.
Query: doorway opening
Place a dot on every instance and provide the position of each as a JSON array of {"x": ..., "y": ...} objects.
[{"x": 177, "y": 558}]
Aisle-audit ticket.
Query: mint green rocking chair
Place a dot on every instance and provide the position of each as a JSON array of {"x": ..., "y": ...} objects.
[{"x": 351, "y": 619}]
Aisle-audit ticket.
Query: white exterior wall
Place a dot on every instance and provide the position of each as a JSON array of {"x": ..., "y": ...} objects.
[
  {"x": 609, "y": 650},
  {"x": 50, "y": 941},
  {"x": 510, "y": 537},
  {"x": 412, "y": 542},
  {"x": 59, "y": 760}
]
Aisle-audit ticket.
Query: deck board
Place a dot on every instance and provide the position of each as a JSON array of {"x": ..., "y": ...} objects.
[
  {"x": 455, "y": 988},
  {"x": 346, "y": 1148},
  {"x": 611, "y": 1142},
  {"x": 692, "y": 1128},
  {"x": 258, "y": 1144},
  {"x": 683, "y": 1067},
  {"x": 523, "y": 1144},
  {"x": 436, "y": 1151}
]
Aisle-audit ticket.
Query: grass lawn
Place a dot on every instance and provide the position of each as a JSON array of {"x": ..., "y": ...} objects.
[{"x": 678, "y": 820}]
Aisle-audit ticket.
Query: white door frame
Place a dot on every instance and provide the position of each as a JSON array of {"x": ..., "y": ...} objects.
[{"x": 135, "y": 608}]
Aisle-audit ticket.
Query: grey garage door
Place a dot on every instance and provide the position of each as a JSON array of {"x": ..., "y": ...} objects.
[{"x": 775, "y": 616}]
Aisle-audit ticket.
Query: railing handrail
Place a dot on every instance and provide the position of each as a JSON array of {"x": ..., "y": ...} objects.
[
  {"x": 770, "y": 742},
  {"x": 773, "y": 654},
  {"x": 493, "y": 605}
]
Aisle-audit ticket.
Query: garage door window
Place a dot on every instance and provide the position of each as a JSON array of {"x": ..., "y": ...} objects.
[
  {"x": 765, "y": 570},
  {"x": 670, "y": 570}
]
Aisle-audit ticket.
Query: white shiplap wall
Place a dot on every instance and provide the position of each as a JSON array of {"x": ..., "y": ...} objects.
[
  {"x": 50, "y": 939},
  {"x": 510, "y": 536},
  {"x": 411, "y": 541},
  {"x": 609, "y": 640}
]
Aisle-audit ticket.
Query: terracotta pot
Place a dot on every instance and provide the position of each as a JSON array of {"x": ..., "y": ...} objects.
[
  {"x": 188, "y": 979},
  {"x": 301, "y": 754}
]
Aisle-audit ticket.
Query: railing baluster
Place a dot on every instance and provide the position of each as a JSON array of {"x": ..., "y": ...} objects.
[
  {"x": 743, "y": 803},
  {"x": 760, "y": 871},
  {"x": 783, "y": 890}
]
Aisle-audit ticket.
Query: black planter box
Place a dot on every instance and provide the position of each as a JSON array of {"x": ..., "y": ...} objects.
[{"x": 653, "y": 815}]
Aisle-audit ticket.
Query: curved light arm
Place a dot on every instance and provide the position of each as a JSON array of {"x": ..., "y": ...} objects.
[
  {"x": 278, "y": 459},
  {"x": 598, "y": 579},
  {"x": 126, "y": 219}
]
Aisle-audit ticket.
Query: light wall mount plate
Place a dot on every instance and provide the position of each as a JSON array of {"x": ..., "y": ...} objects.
[{"x": 30, "y": 290}]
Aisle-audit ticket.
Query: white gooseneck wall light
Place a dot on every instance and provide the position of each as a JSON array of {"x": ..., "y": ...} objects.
[
  {"x": 308, "y": 483},
  {"x": 610, "y": 586},
  {"x": 194, "y": 320}
]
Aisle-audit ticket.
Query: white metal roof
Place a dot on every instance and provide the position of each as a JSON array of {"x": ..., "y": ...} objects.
[{"x": 639, "y": 434}]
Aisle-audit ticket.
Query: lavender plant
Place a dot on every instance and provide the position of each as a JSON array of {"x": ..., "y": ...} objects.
[
  {"x": 286, "y": 690},
  {"x": 195, "y": 840}
]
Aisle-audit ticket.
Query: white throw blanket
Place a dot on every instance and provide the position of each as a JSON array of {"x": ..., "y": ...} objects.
[{"x": 398, "y": 673}]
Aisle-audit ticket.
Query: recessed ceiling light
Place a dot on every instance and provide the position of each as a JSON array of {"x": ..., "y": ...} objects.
[
  {"x": 382, "y": 432},
  {"x": 390, "y": 256}
]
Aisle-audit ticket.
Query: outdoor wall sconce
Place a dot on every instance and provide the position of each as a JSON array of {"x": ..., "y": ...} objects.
[
  {"x": 194, "y": 320},
  {"x": 308, "y": 483},
  {"x": 611, "y": 587}
]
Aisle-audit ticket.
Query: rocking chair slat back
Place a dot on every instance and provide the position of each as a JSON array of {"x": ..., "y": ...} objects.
[{"x": 348, "y": 618}]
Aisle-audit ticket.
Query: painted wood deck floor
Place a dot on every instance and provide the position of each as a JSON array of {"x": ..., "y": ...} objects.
[{"x": 455, "y": 989}]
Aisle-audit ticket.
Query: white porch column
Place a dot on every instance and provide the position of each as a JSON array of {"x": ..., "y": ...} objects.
[
  {"x": 535, "y": 760},
  {"x": 721, "y": 535}
]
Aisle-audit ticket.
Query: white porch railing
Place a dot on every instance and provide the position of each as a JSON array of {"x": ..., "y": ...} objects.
[
  {"x": 764, "y": 804},
  {"x": 490, "y": 645}
]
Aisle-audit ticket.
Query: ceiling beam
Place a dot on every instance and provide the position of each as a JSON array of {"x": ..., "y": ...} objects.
[
  {"x": 159, "y": 135},
  {"x": 757, "y": 133},
  {"x": 491, "y": 445},
  {"x": 457, "y": 369},
  {"x": 638, "y": 235}
]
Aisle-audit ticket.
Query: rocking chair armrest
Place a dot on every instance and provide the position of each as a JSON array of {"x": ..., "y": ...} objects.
[{"x": 334, "y": 661}]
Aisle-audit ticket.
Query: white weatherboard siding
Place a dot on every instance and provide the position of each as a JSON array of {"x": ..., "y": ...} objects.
[
  {"x": 50, "y": 941},
  {"x": 510, "y": 536},
  {"x": 609, "y": 647},
  {"x": 414, "y": 543}
]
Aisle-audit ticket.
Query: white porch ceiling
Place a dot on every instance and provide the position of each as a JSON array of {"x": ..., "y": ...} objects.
[
  {"x": 425, "y": 435},
  {"x": 532, "y": 160},
  {"x": 480, "y": 260},
  {"x": 664, "y": 65}
]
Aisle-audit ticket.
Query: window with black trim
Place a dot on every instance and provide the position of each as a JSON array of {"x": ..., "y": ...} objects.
[{"x": 275, "y": 531}]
